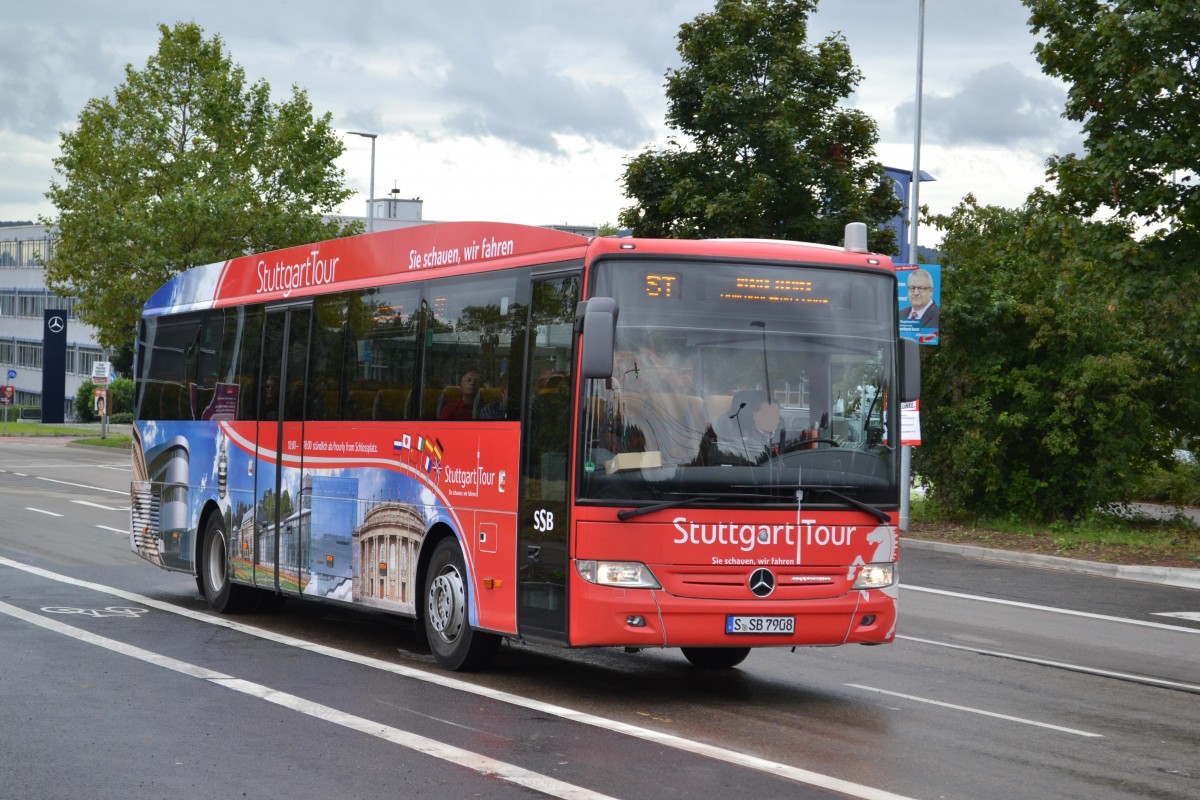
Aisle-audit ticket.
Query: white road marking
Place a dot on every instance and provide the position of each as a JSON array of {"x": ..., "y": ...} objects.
[
  {"x": 747, "y": 761},
  {"x": 43, "y": 511},
  {"x": 97, "y": 505},
  {"x": 114, "y": 530},
  {"x": 84, "y": 486},
  {"x": 1104, "y": 673},
  {"x": 1051, "y": 609},
  {"x": 977, "y": 711},
  {"x": 1194, "y": 616},
  {"x": 489, "y": 767}
]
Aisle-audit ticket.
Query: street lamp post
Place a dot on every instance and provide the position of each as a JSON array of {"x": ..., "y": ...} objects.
[
  {"x": 913, "y": 211},
  {"x": 371, "y": 198}
]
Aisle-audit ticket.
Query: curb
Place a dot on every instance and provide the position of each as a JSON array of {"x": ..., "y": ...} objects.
[{"x": 1167, "y": 576}]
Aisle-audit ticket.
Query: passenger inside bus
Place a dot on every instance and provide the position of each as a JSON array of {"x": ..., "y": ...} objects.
[{"x": 462, "y": 405}]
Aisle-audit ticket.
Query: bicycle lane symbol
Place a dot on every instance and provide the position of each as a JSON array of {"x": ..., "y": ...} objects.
[{"x": 108, "y": 611}]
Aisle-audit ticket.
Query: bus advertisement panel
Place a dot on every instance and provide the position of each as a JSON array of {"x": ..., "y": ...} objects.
[{"x": 512, "y": 432}]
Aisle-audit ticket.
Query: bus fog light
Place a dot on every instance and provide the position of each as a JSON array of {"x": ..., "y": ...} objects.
[
  {"x": 635, "y": 621},
  {"x": 626, "y": 574},
  {"x": 876, "y": 576}
]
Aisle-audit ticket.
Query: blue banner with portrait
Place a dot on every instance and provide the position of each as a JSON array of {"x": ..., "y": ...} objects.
[{"x": 920, "y": 296}]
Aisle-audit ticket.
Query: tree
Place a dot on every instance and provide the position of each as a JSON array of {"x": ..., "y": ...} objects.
[
  {"x": 1134, "y": 83},
  {"x": 184, "y": 165},
  {"x": 1045, "y": 398},
  {"x": 769, "y": 153},
  {"x": 1132, "y": 71}
]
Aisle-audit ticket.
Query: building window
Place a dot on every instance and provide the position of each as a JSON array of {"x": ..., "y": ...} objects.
[{"x": 29, "y": 354}]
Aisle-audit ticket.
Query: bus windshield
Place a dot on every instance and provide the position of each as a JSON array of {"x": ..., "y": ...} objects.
[{"x": 742, "y": 383}]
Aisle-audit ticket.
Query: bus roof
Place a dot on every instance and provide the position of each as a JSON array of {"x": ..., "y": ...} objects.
[
  {"x": 444, "y": 249},
  {"x": 759, "y": 249}
]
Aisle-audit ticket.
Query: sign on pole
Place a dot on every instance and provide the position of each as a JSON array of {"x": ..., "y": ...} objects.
[{"x": 100, "y": 372}]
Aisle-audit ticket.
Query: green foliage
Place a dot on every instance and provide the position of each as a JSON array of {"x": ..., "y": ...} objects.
[
  {"x": 1046, "y": 396},
  {"x": 184, "y": 165},
  {"x": 770, "y": 153},
  {"x": 120, "y": 393},
  {"x": 1176, "y": 483},
  {"x": 1131, "y": 69}
]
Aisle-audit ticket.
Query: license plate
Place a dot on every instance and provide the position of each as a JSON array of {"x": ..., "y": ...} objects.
[{"x": 765, "y": 625}]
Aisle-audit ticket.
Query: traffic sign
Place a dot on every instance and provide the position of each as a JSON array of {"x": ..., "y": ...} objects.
[{"x": 12, "y": 374}]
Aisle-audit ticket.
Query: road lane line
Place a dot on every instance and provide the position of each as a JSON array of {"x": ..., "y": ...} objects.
[
  {"x": 1044, "y": 662},
  {"x": 83, "y": 485},
  {"x": 977, "y": 711},
  {"x": 43, "y": 511},
  {"x": 114, "y": 530},
  {"x": 1069, "y": 612},
  {"x": 485, "y": 766},
  {"x": 90, "y": 504},
  {"x": 1194, "y": 616},
  {"x": 745, "y": 760}
]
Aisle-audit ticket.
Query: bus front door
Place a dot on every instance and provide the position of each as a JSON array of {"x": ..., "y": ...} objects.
[
  {"x": 543, "y": 540},
  {"x": 278, "y": 513}
]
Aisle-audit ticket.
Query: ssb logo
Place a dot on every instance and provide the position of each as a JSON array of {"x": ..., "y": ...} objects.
[{"x": 543, "y": 520}]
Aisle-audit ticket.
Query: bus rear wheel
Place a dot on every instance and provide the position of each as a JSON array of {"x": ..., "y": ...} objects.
[
  {"x": 455, "y": 644},
  {"x": 223, "y": 595},
  {"x": 715, "y": 657}
]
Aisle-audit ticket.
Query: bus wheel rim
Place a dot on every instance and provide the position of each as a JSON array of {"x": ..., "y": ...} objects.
[
  {"x": 447, "y": 604},
  {"x": 216, "y": 562}
]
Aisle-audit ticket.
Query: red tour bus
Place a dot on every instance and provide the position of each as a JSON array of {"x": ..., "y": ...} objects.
[{"x": 514, "y": 432}]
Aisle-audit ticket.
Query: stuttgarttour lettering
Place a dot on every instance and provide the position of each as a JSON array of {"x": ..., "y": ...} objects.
[
  {"x": 286, "y": 278},
  {"x": 747, "y": 536}
]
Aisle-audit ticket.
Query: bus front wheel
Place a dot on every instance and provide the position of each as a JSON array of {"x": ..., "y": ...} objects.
[
  {"x": 455, "y": 644},
  {"x": 715, "y": 657},
  {"x": 223, "y": 595}
]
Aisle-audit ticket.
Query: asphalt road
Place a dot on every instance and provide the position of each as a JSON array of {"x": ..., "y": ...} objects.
[{"x": 1007, "y": 681}]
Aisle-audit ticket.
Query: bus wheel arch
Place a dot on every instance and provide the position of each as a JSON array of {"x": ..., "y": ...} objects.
[{"x": 444, "y": 607}]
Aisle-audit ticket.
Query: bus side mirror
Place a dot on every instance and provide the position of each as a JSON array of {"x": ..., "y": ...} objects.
[
  {"x": 910, "y": 370},
  {"x": 599, "y": 335}
]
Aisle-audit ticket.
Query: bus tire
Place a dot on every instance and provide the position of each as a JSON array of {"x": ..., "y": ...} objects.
[
  {"x": 455, "y": 644},
  {"x": 223, "y": 595},
  {"x": 715, "y": 657}
]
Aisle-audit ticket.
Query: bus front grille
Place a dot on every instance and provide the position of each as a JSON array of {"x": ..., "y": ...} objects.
[{"x": 144, "y": 519}]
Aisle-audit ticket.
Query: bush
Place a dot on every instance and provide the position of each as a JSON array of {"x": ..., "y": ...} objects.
[
  {"x": 120, "y": 393},
  {"x": 1044, "y": 398}
]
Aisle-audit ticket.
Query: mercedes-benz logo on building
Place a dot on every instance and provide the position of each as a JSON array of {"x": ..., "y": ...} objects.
[
  {"x": 56, "y": 324},
  {"x": 762, "y": 582}
]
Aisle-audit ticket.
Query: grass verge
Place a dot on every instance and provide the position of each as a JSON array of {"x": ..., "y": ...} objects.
[
  {"x": 15, "y": 428},
  {"x": 1106, "y": 537}
]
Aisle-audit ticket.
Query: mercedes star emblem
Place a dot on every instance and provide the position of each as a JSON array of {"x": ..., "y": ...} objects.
[
  {"x": 762, "y": 582},
  {"x": 57, "y": 324}
]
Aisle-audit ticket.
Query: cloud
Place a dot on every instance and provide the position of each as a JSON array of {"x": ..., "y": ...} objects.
[
  {"x": 530, "y": 107},
  {"x": 997, "y": 106}
]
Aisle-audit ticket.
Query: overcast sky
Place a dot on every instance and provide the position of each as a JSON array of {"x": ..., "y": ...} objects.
[{"x": 526, "y": 110}]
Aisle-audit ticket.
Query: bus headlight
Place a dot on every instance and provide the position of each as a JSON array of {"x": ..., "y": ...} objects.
[
  {"x": 626, "y": 574},
  {"x": 876, "y": 576}
]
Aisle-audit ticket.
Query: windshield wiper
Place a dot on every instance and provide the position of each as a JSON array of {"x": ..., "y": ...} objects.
[
  {"x": 833, "y": 490},
  {"x": 630, "y": 513},
  {"x": 853, "y": 501}
]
